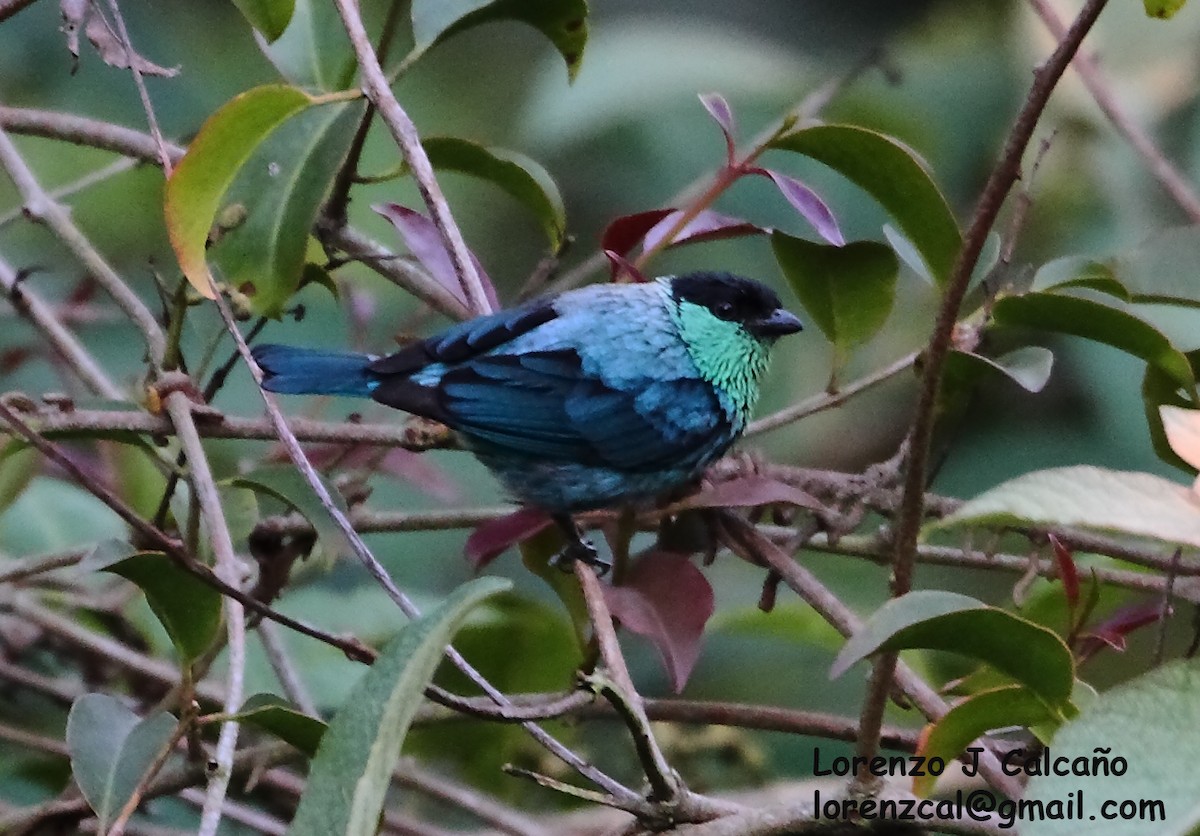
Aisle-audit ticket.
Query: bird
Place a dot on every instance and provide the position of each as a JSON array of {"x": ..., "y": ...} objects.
[{"x": 605, "y": 396}]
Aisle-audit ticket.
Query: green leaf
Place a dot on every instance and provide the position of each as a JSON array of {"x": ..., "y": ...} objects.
[
  {"x": 353, "y": 766},
  {"x": 936, "y": 620},
  {"x": 564, "y": 22},
  {"x": 111, "y": 748},
  {"x": 1079, "y": 272},
  {"x": 1011, "y": 705},
  {"x": 522, "y": 178},
  {"x": 848, "y": 291},
  {"x": 314, "y": 50},
  {"x": 188, "y": 608},
  {"x": 226, "y": 140},
  {"x": 282, "y": 186},
  {"x": 282, "y": 719},
  {"x": 1109, "y": 501},
  {"x": 1164, "y": 9},
  {"x": 270, "y": 17},
  {"x": 19, "y": 463},
  {"x": 1095, "y": 321},
  {"x": 1153, "y": 723},
  {"x": 1029, "y": 367},
  {"x": 286, "y": 484},
  {"x": 895, "y": 177},
  {"x": 137, "y": 475}
]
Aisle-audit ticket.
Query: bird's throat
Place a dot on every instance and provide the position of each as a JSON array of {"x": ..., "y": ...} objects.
[{"x": 725, "y": 354}]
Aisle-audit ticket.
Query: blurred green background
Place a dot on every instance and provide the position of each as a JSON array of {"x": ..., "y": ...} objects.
[{"x": 624, "y": 138}]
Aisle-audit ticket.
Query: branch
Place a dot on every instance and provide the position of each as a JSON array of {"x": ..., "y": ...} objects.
[
  {"x": 1174, "y": 183},
  {"x": 51, "y": 422},
  {"x": 921, "y": 436},
  {"x": 825, "y": 400},
  {"x": 228, "y": 569},
  {"x": 377, "y": 89},
  {"x": 665, "y": 785}
]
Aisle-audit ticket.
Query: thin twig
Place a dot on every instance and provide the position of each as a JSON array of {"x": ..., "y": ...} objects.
[
  {"x": 379, "y": 91},
  {"x": 826, "y": 400},
  {"x": 995, "y": 191},
  {"x": 228, "y": 569},
  {"x": 285, "y": 669},
  {"x": 664, "y": 783},
  {"x": 1172, "y": 180},
  {"x": 164, "y": 156}
]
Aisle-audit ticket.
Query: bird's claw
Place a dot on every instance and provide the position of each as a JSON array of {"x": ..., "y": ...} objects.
[{"x": 584, "y": 552}]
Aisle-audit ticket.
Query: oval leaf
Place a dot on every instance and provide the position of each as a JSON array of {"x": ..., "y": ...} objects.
[
  {"x": 1028, "y": 367},
  {"x": 423, "y": 240},
  {"x": 1109, "y": 501},
  {"x": 189, "y": 609},
  {"x": 522, "y": 178},
  {"x": 225, "y": 142},
  {"x": 282, "y": 719},
  {"x": 808, "y": 204},
  {"x": 937, "y": 620},
  {"x": 848, "y": 291},
  {"x": 722, "y": 114},
  {"x": 111, "y": 748},
  {"x": 1095, "y": 321},
  {"x": 494, "y": 537},
  {"x": 1153, "y": 723},
  {"x": 1011, "y": 705},
  {"x": 564, "y": 22},
  {"x": 282, "y": 188},
  {"x": 665, "y": 598},
  {"x": 352, "y": 769},
  {"x": 894, "y": 176}
]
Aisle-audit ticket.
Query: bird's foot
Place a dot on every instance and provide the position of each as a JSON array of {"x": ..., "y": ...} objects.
[{"x": 583, "y": 551}]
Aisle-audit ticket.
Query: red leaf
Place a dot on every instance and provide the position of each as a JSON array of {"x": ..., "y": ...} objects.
[
  {"x": 425, "y": 243},
  {"x": 1113, "y": 630},
  {"x": 751, "y": 491},
  {"x": 722, "y": 114},
  {"x": 805, "y": 201},
  {"x": 621, "y": 265},
  {"x": 489, "y": 540},
  {"x": 706, "y": 226},
  {"x": 1067, "y": 571},
  {"x": 623, "y": 234},
  {"x": 668, "y": 600}
]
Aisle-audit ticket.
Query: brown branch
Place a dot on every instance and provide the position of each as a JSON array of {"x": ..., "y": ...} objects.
[
  {"x": 908, "y": 524},
  {"x": 8, "y": 8},
  {"x": 618, "y": 687}
]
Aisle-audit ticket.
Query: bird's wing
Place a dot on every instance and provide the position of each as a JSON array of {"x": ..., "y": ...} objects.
[
  {"x": 543, "y": 404},
  {"x": 467, "y": 339}
]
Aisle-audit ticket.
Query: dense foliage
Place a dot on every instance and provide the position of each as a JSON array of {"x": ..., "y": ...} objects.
[{"x": 218, "y": 616}]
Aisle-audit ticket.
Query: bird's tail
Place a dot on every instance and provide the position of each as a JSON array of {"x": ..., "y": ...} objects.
[{"x": 307, "y": 371}]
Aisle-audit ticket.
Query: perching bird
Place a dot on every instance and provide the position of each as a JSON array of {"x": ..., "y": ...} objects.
[{"x": 604, "y": 396}]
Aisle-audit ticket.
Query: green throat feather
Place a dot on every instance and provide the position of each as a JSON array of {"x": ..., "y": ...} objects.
[{"x": 725, "y": 354}]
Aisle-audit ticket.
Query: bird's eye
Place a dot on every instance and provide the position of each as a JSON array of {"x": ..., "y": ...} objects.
[{"x": 725, "y": 310}]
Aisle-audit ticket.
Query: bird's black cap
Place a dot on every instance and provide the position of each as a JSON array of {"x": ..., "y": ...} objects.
[{"x": 737, "y": 299}]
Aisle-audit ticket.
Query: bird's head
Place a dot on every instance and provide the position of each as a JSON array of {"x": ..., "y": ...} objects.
[{"x": 734, "y": 303}]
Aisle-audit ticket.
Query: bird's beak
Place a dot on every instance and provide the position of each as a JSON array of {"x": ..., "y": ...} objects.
[{"x": 779, "y": 323}]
